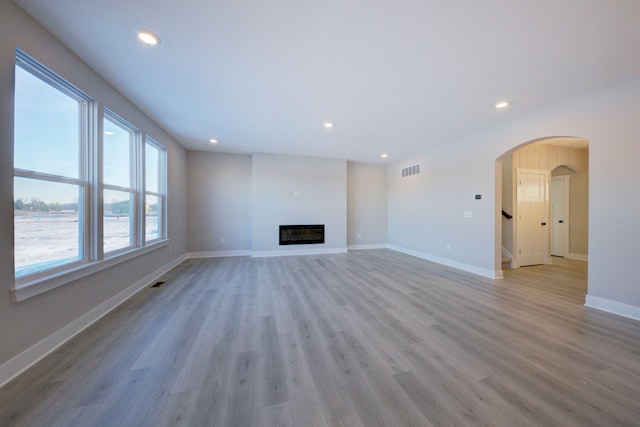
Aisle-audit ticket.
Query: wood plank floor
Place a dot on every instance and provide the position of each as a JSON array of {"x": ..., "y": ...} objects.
[{"x": 368, "y": 338}]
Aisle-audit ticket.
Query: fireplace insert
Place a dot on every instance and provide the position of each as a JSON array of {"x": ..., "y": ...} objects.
[{"x": 301, "y": 234}]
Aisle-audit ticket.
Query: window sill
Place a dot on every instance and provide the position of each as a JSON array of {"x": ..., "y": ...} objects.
[{"x": 40, "y": 285}]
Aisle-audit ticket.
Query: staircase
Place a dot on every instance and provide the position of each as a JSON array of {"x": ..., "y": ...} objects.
[{"x": 506, "y": 258}]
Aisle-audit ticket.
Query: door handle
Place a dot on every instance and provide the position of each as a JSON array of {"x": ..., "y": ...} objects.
[{"x": 561, "y": 221}]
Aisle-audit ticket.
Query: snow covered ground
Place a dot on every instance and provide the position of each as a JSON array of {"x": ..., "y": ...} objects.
[{"x": 48, "y": 239}]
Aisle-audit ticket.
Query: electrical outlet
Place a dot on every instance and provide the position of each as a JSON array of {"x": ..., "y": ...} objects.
[
  {"x": 223, "y": 240},
  {"x": 448, "y": 246}
]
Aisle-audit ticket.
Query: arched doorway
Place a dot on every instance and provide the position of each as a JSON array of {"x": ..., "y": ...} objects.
[{"x": 562, "y": 159}]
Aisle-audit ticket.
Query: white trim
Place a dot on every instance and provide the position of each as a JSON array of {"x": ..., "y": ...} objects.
[
  {"x": 366, "y": 247},
  {"x": 294, "y": 252},
  {"x": 43, "y": 284},
  {"x": 579, "y": 257},
  {"x": 23, "y": 361},
  {"x": 614, "y": 307},
  {"x": 218, "y": 254},
  {"x": 491, "y": 274}
]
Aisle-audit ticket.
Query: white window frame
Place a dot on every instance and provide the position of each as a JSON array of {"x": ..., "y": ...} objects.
[
  {"x": 87, "y": 108},
  {"x": 90, "y": 178},
  {"x": 161, "y": 194},
  {"x": 135, "y": 164}
]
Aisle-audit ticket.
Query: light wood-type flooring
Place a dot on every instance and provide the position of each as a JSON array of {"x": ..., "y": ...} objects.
[{"x": 368, "y": 338}]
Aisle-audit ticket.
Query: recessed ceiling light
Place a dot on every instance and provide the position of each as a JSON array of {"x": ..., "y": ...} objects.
[
  {"x": 384, "y": 155},
  {"x": 502, "y": 104},
  {"x": 109, "y": 133},
  {"x": 148, "y": 37},
  {"x": 328, "y": 125},
  {"x": 213, "y": 141}
]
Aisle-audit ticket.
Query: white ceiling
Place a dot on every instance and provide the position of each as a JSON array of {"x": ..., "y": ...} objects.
[{"x": 396, "y": 76}]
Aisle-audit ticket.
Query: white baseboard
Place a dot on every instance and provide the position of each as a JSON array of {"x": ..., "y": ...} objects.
[
  {"x": 614, "y": 307},
  {"x": 15, "y": 366},
  {"x": 579, "y": 257},
  {"x": 218, "y": 254},
  {"x": 367, "y": 247},
  {"x": 293, "y": 252},
  {"x": 491, "y": 274}
]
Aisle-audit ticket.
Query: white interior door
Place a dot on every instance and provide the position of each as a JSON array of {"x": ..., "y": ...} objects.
[
  {"x": 532, "y": 206},
  {"x": 559, "y": 215}
]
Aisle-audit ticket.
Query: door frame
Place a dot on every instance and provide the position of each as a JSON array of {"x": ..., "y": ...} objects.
[{"x": 567, "y": 211}]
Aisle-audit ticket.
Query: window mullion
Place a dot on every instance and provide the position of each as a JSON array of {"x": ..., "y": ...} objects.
[
  {"x": 134, "y": 172},
  {"x": 90, "y": 174},
  {"x": 96, "y": 177}
]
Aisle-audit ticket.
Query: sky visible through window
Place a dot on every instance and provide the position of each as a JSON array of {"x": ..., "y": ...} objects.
[
  {"x": 46, "y": 131},
  {"x": 116, "y": 154},
  {"x": 151, "y": 168}
]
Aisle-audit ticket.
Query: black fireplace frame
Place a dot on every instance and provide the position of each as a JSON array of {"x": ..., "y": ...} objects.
[{"x": 307, "y": 234}]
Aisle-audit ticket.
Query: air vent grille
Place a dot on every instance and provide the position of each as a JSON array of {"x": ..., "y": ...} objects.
[{"x": 411, "y": 170}]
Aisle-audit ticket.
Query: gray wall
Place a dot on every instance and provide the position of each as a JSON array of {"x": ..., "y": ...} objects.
[
  {"x": 220, "y": 198},
  {"x": 366, "y": 204},
  {"x": 28, "y": 322},
  {"x": 426, "y": 213},
  {"x": 298, "y": 190},
  {"x": 219, "y": 202}
]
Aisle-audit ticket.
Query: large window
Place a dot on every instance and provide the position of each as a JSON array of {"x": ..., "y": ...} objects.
[
  {"x": 50, "y": 183},
  {"x": 119, "y": 183},
  {"x": 80, "y": 196}
]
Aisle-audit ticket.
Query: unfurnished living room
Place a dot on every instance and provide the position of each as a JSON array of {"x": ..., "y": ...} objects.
[{"x": 292, "y": 213}]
